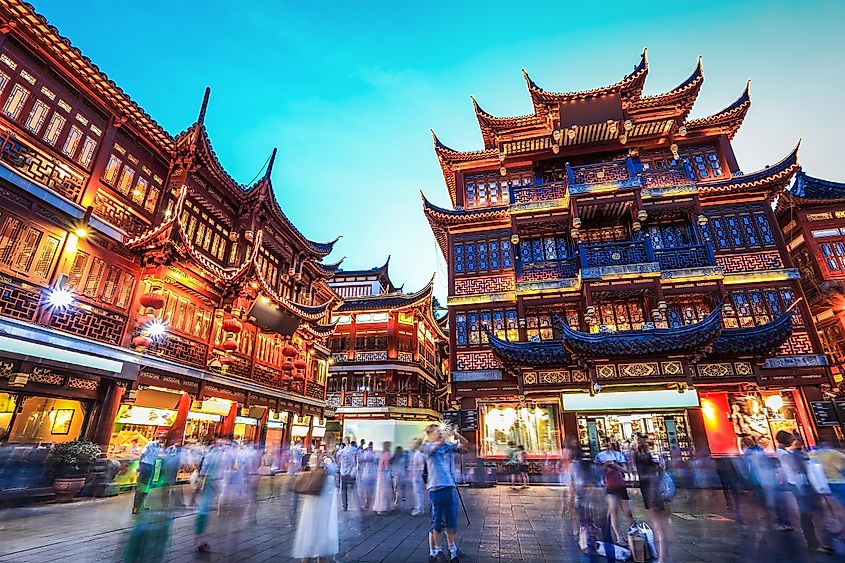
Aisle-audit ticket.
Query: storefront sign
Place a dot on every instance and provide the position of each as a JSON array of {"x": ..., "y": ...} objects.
[
  {"x": 826, "y": 413},
  {"x": 318, "y": 432},
  {"x": 469, "y": 419},
  {"x": 275, "y": 424},
  {"x": 452, "y": 418},
  {"x": 631, "y": 400},
  {"x": 204, "y": 416},
  {"x": 246, "y": 420},
  {"x": 146, "y": 416}
]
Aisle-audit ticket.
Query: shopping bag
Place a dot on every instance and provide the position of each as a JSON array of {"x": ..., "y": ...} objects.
[
  {"x": 666, "y": 487},
  {"x": 309, "y": 482},
  {"x": 647, "y": 534},
  {"x": 587, "y": 538},
  {"x": 636, "y": 543},
  {"x": 619, "y": 552},
  {"x": 817, "y": 478}
]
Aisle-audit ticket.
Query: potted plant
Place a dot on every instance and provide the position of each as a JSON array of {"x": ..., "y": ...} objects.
[{"x": 70, "y": 462}]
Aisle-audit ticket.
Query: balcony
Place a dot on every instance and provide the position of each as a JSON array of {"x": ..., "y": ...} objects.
[
  {"x": 602, "y": 177},
  {"x": 40, "y": 167},
  {"x": 671, "y": 181},
  {"x": 618, "y": 260},
  {"x": 544, "y": 196},
  {"x": 699, "y": 256},
  {"x": 533, "y": 277}
]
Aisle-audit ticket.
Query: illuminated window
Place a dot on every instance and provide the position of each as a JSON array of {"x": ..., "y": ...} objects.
[
  {"x": 37, "y": 116},
  {"x": 754, "y": 307},
  {"x": 152, "y": 199},
  {"x": 621, "y": 315},
  {"x": 541, "y": 324},
  {"x": 491, "y": 188},
  {"x": 45, "y": 259},
  {"x": 15, "y": 101},
  {"x": 126, "y": 177},
  {"x": 686, "y": 309},
  {"x": 88, "y": 148},
  {"x": 834, "y": 255},
  {"x": 140, "y": 191},
  {"x": 10, "y": 239},
  {"x": 54, "y": 128},
  {"x": 606, "y": 233},
  {"x": 80, "y": 262},
  {"x": 95, "y": 276},
  {"x": 125, "y": 292},
  {"x": 470, "y": 325},
  {"x": 4, "y": 79},
  {"x": 484, "y": 255},
  {"x": 74, "y": 136},
  {"x": 739, "y": 227},
  {"x": 29, "y": 244}
]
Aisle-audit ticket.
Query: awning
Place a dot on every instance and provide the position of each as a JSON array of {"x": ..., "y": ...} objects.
[
  {"x": 158, "y": 399},
  {"x": 27, "y": 349},
  {"x": 630, "y": 400}
]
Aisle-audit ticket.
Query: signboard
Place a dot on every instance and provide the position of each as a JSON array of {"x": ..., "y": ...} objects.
[
  {"x": 469, "y": 419},
  {"x": 825, "y": 412},
  {"x": 452, "y": 418}
]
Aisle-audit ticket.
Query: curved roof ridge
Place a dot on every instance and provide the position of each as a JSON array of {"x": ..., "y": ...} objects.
[
  {"x": 545, "y": 353},
  {"x": 778, "y": 174},
  {"x": 392, "y": 300},
  {"x": 730, "y": 117},
  {"x": 815, "y": 190}
]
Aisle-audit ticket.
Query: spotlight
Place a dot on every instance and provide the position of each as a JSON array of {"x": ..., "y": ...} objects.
[
  {"x": 156, "y": 329},
  {"x": 81, "y": 232},
  {"x": 60, "y": 298}
]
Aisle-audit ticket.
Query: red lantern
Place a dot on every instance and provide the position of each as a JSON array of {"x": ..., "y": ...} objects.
[
  {"x": 286, "y": 376},
  {"x": 232, "y": 325},
  {"x": 289, "y": 351},
  {"x": 141, "y": 341},
  {"x": 298, "y": 376},
  {"x": 225, "y": 360},
  {"x": 288, "y": 366},
  {"x": 152, "y": 300},
  {"x": 230, "y": 345},
  {"x": 299, "y": 364}
]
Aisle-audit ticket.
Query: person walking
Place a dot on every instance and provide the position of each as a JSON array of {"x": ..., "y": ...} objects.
[
  {"x": 522, "y": 461},
  {"x": 146, "y": 469},
  {"x": 383, "y": 502},
  {"x": 416, "y": 467},
  {"x": 512, "y": 464},
  {"x": 648, "y": 470},
  {"x": 317, "y": 535},
  {"x": 348, "y": 462},
  {"x": 613, "y": 462},
  {"x": 442, "y": 488},
  {"x": 793, "y": 461},
  {"x": 367, "y": 469},
  {"x": 399, "y": 471}
]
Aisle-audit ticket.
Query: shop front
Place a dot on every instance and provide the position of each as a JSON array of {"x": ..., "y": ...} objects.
[
  {"x": 732, "y": 416},
  {"x": 205, "y": 420},
  {"x": 277, "y": 423},
  {"x": 300, "y": 428},
  {"x": 533, "y": 425},
  {"x": 248, "y": 424},
  {"x": 660, "y": 414},
  {"x": 153, "y": 413},
  {"x": 37, "y": 419}
]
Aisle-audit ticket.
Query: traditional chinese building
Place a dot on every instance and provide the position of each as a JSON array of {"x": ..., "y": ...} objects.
[
  {"x": 613, "y": 271},
  {"x": 386, "y": 380},
  {"x": 812, "y": 216},
  {"x": 144, "y": 290}
]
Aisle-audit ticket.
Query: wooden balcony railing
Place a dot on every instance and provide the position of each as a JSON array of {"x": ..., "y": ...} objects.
[
  {"x": 41, "y": 167},
  {"x": 615, "y": 253},
  {"x": 697, "y": 256}
]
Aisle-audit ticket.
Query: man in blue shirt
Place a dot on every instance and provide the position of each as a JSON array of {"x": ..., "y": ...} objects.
[{"x": 442, "y": 488}]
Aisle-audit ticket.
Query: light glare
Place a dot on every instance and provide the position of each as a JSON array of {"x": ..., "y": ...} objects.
[{"x": 60, "y": 298}]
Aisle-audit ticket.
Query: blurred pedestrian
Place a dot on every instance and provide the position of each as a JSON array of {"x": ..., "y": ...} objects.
[
  {"x": 317, "y": 536},
  {"x": 613, "y": 463},
  {"x": 348, "y": 462},
  {"x": 442, "y": 488},
  {"x": 367, "y": 469},
  {"x": 522, "y": 460},
  {"x": 146, "y": 471},
  {"x": 399, "y": 472},
  {"x": 170, "y": 465},
  {"x": 512, "y": 464},
  {"x": 648, "y": 470},
  {"x": 383, "y": 502},
  {"x": 210, "y": 477},
  {"x": 416, "y": 467}
]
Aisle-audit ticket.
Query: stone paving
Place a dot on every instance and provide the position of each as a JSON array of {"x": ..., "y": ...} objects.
[{"x": 506, "y": 525}]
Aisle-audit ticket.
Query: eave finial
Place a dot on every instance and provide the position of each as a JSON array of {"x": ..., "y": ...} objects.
[
  {"x": 528, "y": 80},
  {"x": 270, "y": 164},
  {"x": 204, "y": 106}
]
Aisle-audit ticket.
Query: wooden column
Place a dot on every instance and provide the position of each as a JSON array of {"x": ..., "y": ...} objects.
[
  {"x": 697, "y": 431},
  {"x": 109, "y": 403},
  {"x": 176, "y": 434}
]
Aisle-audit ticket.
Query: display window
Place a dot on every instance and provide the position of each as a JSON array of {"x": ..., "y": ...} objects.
[
  {"x": 152, "y": 413},
  {"x": 300, "y": 426},
  {"x": 48, "y": 420},
  {"x": 534, "y": 427},
  {"x": 669, "y": 432},
  {"x": 7, "y": 408},
  {"x": 762, "y": 415},
  {"x": 246, "y": 428}
]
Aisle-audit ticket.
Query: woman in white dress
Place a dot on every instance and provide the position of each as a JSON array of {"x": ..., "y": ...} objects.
[
  {"x": 383, "y": 502},
  {"x": 316, "y": 530}
]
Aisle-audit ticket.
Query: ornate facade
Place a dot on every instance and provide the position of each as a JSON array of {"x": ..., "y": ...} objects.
[
  {"x": 139, "y": 278},
  {"x": 386, "y": 380},
  {"x": 613, "y": 271},
  {"x": 812, "y": 216}
]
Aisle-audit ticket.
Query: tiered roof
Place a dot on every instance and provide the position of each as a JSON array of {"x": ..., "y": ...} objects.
[
  {"x": 725, "y": 122},
  {"x": 380, "y": 273},
  {"x": 811, "y": 191},
  {"x": 388, "y": 301},
  {"x": 772, "y": 180},
  {"x": 441, "y": 219}
]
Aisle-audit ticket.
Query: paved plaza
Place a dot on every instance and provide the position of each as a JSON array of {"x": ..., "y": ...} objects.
[{"x": 506, "y": 525}]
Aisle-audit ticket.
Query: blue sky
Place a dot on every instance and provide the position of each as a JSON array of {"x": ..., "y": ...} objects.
[{"x": 349, "y": 90}]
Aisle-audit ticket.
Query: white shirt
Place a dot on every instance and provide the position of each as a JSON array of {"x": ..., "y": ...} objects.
[
  {"x": 150, "y": 453},
  {"x": 417, "y": 463},
  {"x": 605, "y": 456},
  {"x": 348, "y": 459}
]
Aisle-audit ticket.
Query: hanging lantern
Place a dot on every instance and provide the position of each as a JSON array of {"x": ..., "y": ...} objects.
[
  {"x": 298, "y": 376},
  {"x": 503, "y": 171},
  {"x": 514, "y": 239},
  {"x": 289, "y": 351},
  {"x": 233, "y": 325},
  {"x": 286, "y": 376},
  {"x": 288, "y": 366},
  {"x": 141, "y": 342},
  {"x": 555, "y": 148},
  {"x": 152, "y": 300},
  {"x": 556, "y": 135},
  {"x": 230, "y": 345},
  {"x": 642, "y": 215},
  {"x": 299, "y": 364},
  {"x": 576, "y": 223},
  {"x": 702, "y": 220},
  {"x": 674, "y": 149}
]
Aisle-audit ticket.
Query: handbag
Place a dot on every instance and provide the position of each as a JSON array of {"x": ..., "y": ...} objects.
[
  {"x": 666, "y": 487},
  {"x": 817, "y": 478},
  {"x": 309, "y": 482},
  {"x": 613, "y": 478}
]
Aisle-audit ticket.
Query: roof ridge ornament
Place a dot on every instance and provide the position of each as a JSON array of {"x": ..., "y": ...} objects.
[{"x": 204, "y": 106}]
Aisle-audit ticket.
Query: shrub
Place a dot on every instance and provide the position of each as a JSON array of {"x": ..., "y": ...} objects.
[{"x": 72, "y": 459}]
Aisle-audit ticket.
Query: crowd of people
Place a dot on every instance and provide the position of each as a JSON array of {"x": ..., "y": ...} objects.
[{"x": 791, "y": 489}]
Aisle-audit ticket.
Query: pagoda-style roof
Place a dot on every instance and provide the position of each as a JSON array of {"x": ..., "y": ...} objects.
[
  {"x": 319, "y": 331},
  {"x": 24, "y": 21},
  {"x": 770, "y": 180},
  {"x": 680, "y": 99},
  {"x": 440, "y": 219},
  {"x": 629, "y": 88},
  {"x": 693, "y": 339},
  {"x": 759, "y": 341},
  {"x": 388, "y": 301},
  {"x": 491, "y": 125},
  {"x": 808, "y": 190},
  {"x": 449, "y": 157},
  {"x": 329, "y": 270},
  {"x": 541, "y": 354},
  {"x": 725, "y": 122}
]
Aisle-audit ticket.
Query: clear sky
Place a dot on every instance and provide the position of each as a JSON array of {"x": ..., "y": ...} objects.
[{"x": 349, "y": 90}]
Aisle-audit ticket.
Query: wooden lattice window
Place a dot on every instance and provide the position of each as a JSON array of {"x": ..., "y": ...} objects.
[
  {"x": 609, "y": 233},
  {"x": 482, "y": 255},
  {"x": 739, "y": 228},
  {"x": 37, "y": 116},
  {"x": 491, "y": 188},
  {"x": 27, "y": 250},
  {"x": 184, "y": 315},
  {"x": 15, "y": 101},
  {"x": 834, "y": 254},
  {"x": 74, "y": 137},
  {"x": 621, "y": 315},
  {"x": 686, "y": 309},
  {"x": 703, "y": 162},
  {"x": 540, "y": 249},
  {"x": 541, "y": 325},
  {"x": 670, "y": 235},
  {"x": 752, "y": 307},
  {"x": 470, "y": 325}
]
